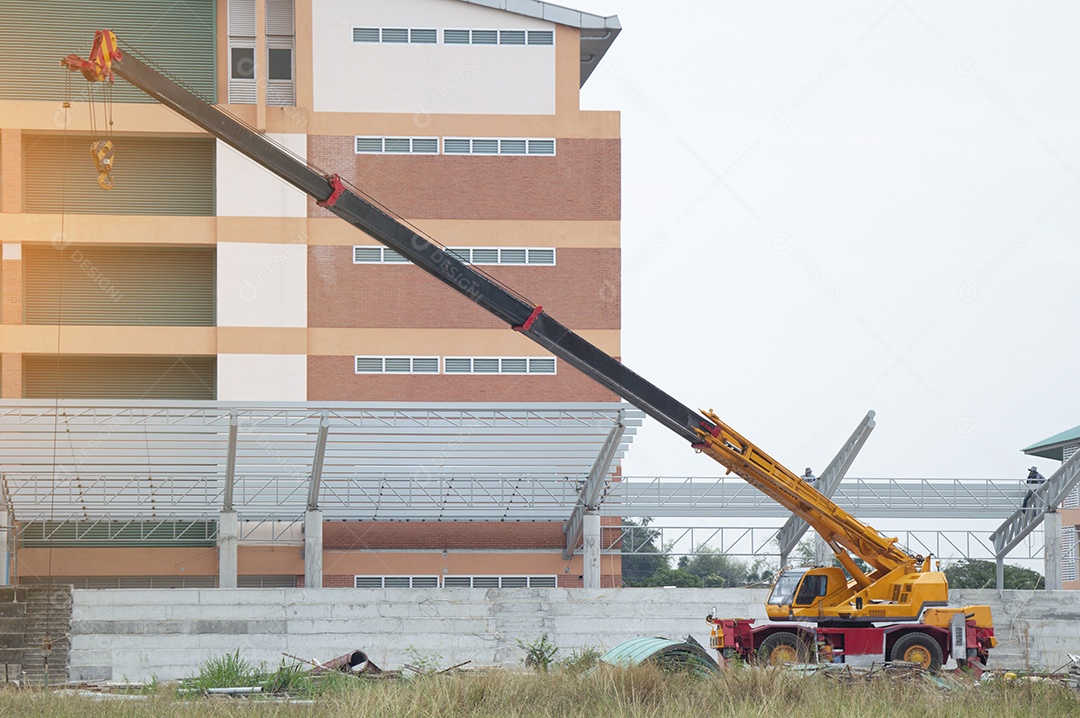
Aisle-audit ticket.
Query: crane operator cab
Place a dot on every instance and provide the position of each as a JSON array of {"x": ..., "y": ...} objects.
[{"x": 798, "y": 589}]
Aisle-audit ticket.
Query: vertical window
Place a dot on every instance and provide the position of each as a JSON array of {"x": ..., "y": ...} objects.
[
  {"x": 241, "y": 51},
  {"x": 280, "y": 43}
]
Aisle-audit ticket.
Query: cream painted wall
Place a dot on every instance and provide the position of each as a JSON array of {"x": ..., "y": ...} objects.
[
  {"x": 262, "y": 377},
  {"x": 246, "y": 190},
  {"x": 261, "y": 285},
  {"x": 453, "y": 79}
]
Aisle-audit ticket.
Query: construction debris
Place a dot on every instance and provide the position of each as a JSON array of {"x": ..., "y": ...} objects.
[{"x": 688, "y": 655}]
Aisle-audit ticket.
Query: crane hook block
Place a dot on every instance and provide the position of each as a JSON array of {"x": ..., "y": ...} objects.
[{"x": 102, "y": 152}]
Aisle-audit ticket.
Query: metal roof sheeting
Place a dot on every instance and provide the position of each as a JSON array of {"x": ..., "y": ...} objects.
[
  {"x": 396, "y": 462},
  {"x": 666, "y": 653}
]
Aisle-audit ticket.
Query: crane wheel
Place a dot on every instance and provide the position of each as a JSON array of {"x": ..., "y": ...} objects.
[
  {"x": 918, "y": 648},
  {"x": 780, "y": 648}
]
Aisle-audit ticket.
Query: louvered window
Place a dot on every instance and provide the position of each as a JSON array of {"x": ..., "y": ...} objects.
[
  {"x": 266, "y": 581},
  {"x": 498, "y": 146},
  {"x": 511, "y": 37},
  {"x": 397, "y": 145},
  {"x": 396, "y": 35},
  {"x": 241, "y": 52},
  {"x": 104, "y": 583},
  {"x": 152, "y": 175},
  {"x": 396, "y": 581},
  {"x": 499, "y": 365},
  {"x": 280, "y": 44},
  {"x": 48, "y": 376},
  {"x": 544, "y": 256},
  {"x": 377, "y": 255},
  {"x": 397, "y": 365},
  {"x": 180, "y": 36},
  {"x": 500, "y": 581},
  {"x": 166, "y": 285},
  {"x": 541, "y": 37},
  {"x": 458, "y": 36}
]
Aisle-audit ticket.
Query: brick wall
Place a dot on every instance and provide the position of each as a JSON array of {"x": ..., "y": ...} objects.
[
  {"x": 581, "y": 182},
  {"x": 11, "y": 299},
  {"x": 35, "y": 634},
  {"x": 334, "y": 378},
  {"x": 370, "y": 535},
  {"x": 581, "y": 291},
  {"x": 11, "y": 376},
  {"x": 11, "y": 195}
]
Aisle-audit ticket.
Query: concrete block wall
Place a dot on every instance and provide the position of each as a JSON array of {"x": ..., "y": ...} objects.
[
  {"x": 35, "y": 625},
  {"x": 169, "y": 633}
]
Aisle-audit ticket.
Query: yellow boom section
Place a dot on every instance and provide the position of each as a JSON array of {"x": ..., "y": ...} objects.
[{"x": 836, "y": 526}]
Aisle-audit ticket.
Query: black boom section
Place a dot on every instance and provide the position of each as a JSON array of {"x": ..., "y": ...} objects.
[{"x": 364, "y": 215}]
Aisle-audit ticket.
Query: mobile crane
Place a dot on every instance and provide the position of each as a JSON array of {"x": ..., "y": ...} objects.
[{"x": 898, "y": 610}]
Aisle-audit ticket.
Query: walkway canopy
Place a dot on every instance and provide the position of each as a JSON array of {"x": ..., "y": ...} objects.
[{"x": 77, "y": 460}]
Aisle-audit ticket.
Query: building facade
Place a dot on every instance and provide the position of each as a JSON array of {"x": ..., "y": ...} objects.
[{"x": 200, "y": 276}]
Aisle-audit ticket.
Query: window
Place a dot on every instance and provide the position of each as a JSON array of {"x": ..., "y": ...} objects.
[
  {"x": 280, "y": 64},
  {"x": 396, "y": 581},
  {"x": 242, "y": 63},
  {"x": 499, "y": 365},
  {"x": 241, "y": 19},
  {"x": 499, "y": 581},
  {"x": 397, "y": 145},
  {"x": 498, "y": 146},
  {"x": 498, "y": 37},
  {"x": 812, "y": 587},
  {"x": 397, "y": 365},
  {"x": 505, "y": 255},
  {"x": 395, "y": 35},
  {"x": 368, "y": 581},
  {"x": 377, "y": 255},
  {"x": 541, "y": 37}
]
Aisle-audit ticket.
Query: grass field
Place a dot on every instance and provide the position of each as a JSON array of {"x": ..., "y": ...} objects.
[{"x": 642, "y": 691}]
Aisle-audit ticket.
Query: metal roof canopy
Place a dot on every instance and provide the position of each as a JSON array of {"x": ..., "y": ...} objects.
[{"x": 116, "y": 460}]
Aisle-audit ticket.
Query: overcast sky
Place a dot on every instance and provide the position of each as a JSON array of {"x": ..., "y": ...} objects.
[{"x": 830, "y": 208}]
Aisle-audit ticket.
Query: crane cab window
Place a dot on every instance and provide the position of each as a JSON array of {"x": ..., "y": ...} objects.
[
  {"x": 811, "y": 588},
  {"x": 784, "y": 591}
]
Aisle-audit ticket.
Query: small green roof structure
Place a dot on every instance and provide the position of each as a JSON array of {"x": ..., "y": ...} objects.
[{"x": 1054, "y": 446}]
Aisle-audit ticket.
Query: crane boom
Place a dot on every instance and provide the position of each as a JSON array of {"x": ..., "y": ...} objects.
[{"x": 706, "y": 431}]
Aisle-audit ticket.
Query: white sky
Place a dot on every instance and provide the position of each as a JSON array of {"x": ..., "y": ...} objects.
[{"x": 830, "y": 208}]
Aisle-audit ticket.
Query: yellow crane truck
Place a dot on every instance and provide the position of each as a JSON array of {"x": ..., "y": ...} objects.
[{"x": 896, "y": 611}]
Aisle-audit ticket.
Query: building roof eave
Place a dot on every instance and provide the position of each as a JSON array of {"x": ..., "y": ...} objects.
[
  {"x": 1053, "y": 447},
  {"x": 598, "y": 32}
]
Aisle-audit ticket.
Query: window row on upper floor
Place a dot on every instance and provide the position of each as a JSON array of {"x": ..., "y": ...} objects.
[
  {"x": 542, "y": 256},
  {"x": 454, "y": 365},
  {"x": 452, "y": 36},
  {"x": 478, "y": 146}
]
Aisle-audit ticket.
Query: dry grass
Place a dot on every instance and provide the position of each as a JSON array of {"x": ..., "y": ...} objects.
[{"x": 643, "y": 692}]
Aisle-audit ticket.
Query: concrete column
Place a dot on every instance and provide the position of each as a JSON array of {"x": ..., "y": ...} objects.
[
  {"x": 823, "y": 554},
  {"x": 313, "y": 549},
  {"x": 228, "y": 534},
  {"x": 590, "y": 548},
  {"x": 1052, "y": 552}
]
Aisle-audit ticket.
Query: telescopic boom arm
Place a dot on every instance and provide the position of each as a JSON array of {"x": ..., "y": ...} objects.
[{"x": 706, "y": 433}]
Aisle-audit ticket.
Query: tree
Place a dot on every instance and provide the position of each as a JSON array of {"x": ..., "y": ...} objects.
[
  {"x": 714, "y": 569},
  {"x": 976, "y": 573},
  {"x": 641, "y": 558}
]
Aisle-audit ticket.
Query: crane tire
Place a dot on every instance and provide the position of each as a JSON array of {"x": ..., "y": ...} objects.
[
  {"x": 918, "y": 648},
  {"x": 782, "y": 647}
]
